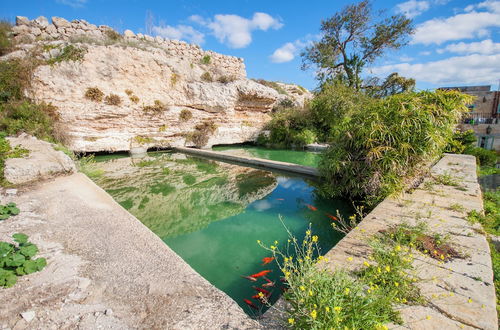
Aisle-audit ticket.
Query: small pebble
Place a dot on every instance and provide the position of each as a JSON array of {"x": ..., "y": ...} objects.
[
  {"x": 108, "y": 312},
  {"x": 11, "y": 192},
  {"x": 28, "y": 316}
]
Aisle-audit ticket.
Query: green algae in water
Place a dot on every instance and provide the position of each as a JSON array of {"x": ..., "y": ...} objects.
[
  {"x": 305, "y": 158},
  {"x": 214, "y": 224}
]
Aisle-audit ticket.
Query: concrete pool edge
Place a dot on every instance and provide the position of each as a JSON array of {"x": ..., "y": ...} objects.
[
  {"x": 118, "y": 265},
  {"x": 472, "y": 303},
  {"x": 256, "y": 162}
]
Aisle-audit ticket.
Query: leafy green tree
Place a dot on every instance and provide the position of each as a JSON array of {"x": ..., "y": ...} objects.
[
  {"x": 352, "y": 38},
  {"x": 393, "y": 84}
]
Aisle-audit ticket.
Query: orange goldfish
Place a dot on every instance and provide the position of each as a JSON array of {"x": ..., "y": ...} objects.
[
  {"x": 249, "y": 303},
  {"x": 310, "y": 207},
  {"x": 262, "y": 273},
  {"x": 250, "y": 278},
  {"x": 334, "y": 218},
  {"x": 280, "y": 199},
  {"x": 267, "y": 260},
  {"x": 268, "y": 284}
]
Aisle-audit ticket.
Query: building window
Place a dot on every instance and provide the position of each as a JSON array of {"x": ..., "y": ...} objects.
[{"x": 486, "y": 142}]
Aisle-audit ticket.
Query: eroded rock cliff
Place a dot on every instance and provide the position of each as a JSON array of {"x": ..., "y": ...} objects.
[{"x": 114, "y": 92}]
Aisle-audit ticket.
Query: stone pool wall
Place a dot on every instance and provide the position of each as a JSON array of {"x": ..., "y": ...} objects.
[{"x": 460, "y": 292}]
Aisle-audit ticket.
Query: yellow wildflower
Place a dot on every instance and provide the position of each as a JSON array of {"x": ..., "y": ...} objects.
[
  {"x": 291, "y": 321},
  {"x": 396, "y": 284},
  {"x": 398, "y": 248},
  {"x": 273, "y": 247},
  {"x": 314, "y": 314},
  {"x": 442, "y": 257},
  {"x": 387, "y": 268},
  {"x": 469, "y": 301},
  {"x": 428, "y": 317},
  {"x": 337, "y": 308},
  {"x": 275, "y": 242},
  {"x": 315, "y": 238},
  {"x": 366, "y": 264},
  {"x": 261, "y": 295},
  {"x": 310, "y": 292},
  {"x": 258, "y": 241},
  {"x": 349, "y": 259},
  {"x": 327, "y": 309},
  {"x": 381, "y": 327},
  {"x": 379, "y": 270},
  {"x": 347, "y": 290},
  {"x": 308, "y": 232},
  {"x": 302, "y": 288}
]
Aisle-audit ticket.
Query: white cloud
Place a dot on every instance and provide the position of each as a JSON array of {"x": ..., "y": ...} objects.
[
  {"x": 180, "y": 32},
  {"x": 412, "y": 8},
  {"x": 285, "y": 53},
  {"x": 236, "y": 31},
  {"x": 406, "y": 58},
  {"x": 73, "y": 3},
  {"x": 288, "y": 51},
  {"x": 470, "y": 69},
  {"x": 461, "y": 26},
  {"x": 425, "y": 53},
  {"x": 485, "y": 47}
]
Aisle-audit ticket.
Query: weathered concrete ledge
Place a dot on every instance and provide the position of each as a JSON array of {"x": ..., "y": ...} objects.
[
  {"x": 460, "y": 292},
  {"x": 255, "y": 162},
  {"x": 105, "y": 269}
]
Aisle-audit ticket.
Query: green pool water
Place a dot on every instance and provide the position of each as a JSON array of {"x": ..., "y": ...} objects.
[
  {"x": 212, "y": 214},
  {"x": 305, "y": 158}
]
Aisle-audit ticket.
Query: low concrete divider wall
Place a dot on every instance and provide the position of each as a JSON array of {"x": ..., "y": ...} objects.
[{"x": 256, "y": 162}]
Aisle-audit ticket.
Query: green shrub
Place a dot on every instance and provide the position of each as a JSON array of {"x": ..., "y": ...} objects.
[
  {"x": 321, "y": 299},
  {"x": 113, "y": 36},
  {"x": 88, "y": 166},
  {"x": 68, "y": 53},
  {"x": 272, "y": 84},
  {"x": 287, "y": 124},
  {"x": 185, "y": 115},
  {"x": 202, "y": 133},
  {"x": 18, "y": 260},
  {"x": 5, "y": 40},
  {"x": 226, "y": 79},
  {"x": 134, "y": 99},
  {"x": 113, "y": 99},
  {"x": 483, "y": 157},
  {"x": 206, "y": 59},
  {"x": 375, "y": 149},
  {"x": 333, "y": 105},
  {"x": 174, "y": 78},
  {"x": 189, "y": 179},
  {"x": 15, "y": 77},
  {"x": 8, "y": 210},
  {"x": 461, "y": 142},
  {"x": 33, "y": 119},
  {"x": 129, "y": 92},
  {"x": 157, "y": 107},
  {"x": 7, "y": 152},
  {"x": 206, "y": 77},
  {"x": 306, "y": 136},
  {"x": 94, "y": 94}
]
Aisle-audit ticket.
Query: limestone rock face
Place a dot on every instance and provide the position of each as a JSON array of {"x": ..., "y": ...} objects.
[
  {"x": 155, "y": 79},
  {"x": 41, "y": 163}
]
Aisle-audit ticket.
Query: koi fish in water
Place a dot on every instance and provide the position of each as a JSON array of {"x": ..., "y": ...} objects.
[
  {"x": 310, "y": 207},
  {"x": 249, "y": 303},
  {"x": 268, "y": 284},
  {"x": 334, "y": 218},
  {"x": 267, "y": 260},
  {"x": 260, "y": 274},
  {"x": 280, "y": 199},
  {"x": 250, "y": 278},
  {"x": 264, "y": 291}
]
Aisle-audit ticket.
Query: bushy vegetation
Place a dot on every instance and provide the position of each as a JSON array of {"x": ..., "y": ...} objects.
[
  {"x": 113, "y": 36},
  {"x": 156, "y": 107},
  {"x": 113, "y": 99},
  {"x": 388, "y": 141},
  {"x": 94, "y": 94},
  {"x": 206, "y": 76},
  {"x": 68, "y": 53},
  {"x": 463, "y": 142},
  {"x": 205, "y": 59},
  {"x": 5, "y": 41},
  {"x": 321, "y": 299},
  {"x": 185, "y": 115},
  {"x": 202, "y": 133},
  {"x": 18, "y": 259},
  {"x": 272, "y": 84}
]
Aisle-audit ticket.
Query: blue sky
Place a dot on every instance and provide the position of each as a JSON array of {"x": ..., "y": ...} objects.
[{"x": 457, "y": 42}]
